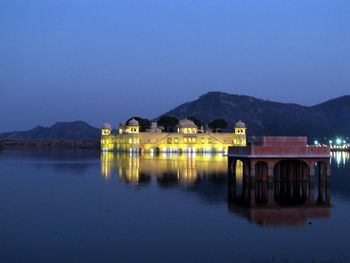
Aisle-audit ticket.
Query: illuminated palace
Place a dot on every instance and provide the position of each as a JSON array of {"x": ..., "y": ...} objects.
[{"x": 188, "y": 138}]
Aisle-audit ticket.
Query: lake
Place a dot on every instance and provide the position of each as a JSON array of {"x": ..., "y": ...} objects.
[{"x": 84, "y": 206}]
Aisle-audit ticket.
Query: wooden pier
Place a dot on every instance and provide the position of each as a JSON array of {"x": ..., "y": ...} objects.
[{"x": 279, "y": 171}]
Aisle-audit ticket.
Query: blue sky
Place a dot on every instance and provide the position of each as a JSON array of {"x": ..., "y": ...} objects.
[{"x": 102, "y": 60}]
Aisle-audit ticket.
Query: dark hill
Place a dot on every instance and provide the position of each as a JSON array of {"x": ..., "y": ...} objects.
[
  {"x": 336, "y": 113},
  {"x": 262, "y": 117},
  {"x": 265, "y": 117},
  {"x": 76, "y": 130}
]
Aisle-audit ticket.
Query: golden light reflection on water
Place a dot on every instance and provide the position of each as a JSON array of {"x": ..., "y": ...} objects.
[
  {"x": 188, "y": 170},
  {"x": 239, "y": 169},
  {"x": 107, "y": 164},
  {"x": 340, "y": 158},
  {"x": 184, "y": 169}
]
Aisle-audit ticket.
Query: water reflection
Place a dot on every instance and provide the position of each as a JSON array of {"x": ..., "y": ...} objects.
[
  {"x": 286, "y": 201},
  {"x": 340, "y": 158},
  {"x": 292, "y": 193},
  {"x": 341, "y": 173},
  {"x": 167, "y": 170},
  {"x": 108, "y": 164},
  {"x": 279, "y": 204}
]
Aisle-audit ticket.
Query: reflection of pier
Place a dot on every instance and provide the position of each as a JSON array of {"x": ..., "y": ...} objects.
[
  {"x": 340, "y": 157},
  {"x": 281, "y": 216},
  {"x": 280, "y": 171}
]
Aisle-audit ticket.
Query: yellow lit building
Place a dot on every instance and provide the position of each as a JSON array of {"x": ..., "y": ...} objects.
[{"x": 187, "y": 139}]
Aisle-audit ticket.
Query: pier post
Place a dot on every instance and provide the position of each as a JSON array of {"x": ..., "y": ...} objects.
[
  {"x": 231, "y": 179},
  {"x": 252, "y": 182},
  {"x": 304, "y": 178},
  {"x": 328, "y": 183},
  {"x": 312, "y": 183},
  {"x": 270, "y": 184},
  {"x": 320, "y": 175},
  {"x": 246, "y": 181},
  {"x": 252, "y": 170}
]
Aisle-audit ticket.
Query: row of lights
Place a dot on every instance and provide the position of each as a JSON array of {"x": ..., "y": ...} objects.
[{"x": 338, "y": 143}]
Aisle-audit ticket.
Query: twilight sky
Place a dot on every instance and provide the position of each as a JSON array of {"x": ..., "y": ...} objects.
[{"x": 64, "y": 60}]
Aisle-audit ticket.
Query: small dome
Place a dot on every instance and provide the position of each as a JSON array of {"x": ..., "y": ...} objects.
[
  {"x": 133, "y": 122},
  {"x": 240, "y": 124},
  {"x": 107, "y": 126},
  {"x": 186, "y": 123}
]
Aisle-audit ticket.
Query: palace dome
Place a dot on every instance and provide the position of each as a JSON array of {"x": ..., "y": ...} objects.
[
  {"x": 186, "y": 123},
  {"x": 240, "y": 124},
  {"x": 133, "y": 122},
  {"x": 107, "y": 126}
]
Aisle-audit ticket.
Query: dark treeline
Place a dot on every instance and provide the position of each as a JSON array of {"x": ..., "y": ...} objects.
[{"x": 169, "y": 123}]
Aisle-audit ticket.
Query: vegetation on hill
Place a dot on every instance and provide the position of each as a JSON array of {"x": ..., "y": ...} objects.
[
  {"x": 264, "y": 117},
  {"x": 144, "y": 123},
  {"x": 168, "y": 122},
  {"x": 218, "y": 125},
  {"x": 196, "y": 121}
]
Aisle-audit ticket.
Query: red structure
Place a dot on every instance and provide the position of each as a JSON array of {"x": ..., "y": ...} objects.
[
  {"x": 288, "y": 216},
  {"x": 280, "y": 170}
]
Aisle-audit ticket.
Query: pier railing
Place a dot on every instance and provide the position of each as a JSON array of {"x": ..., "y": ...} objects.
[{"x": 280, "y": 150}]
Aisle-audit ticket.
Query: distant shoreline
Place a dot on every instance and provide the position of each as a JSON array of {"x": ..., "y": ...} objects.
[
  {"x": 56, "y": 144},
  {"x": 85, "y": 144}
]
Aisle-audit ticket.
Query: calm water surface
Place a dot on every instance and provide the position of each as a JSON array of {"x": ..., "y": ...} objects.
[{"x": 81, "y": 206}]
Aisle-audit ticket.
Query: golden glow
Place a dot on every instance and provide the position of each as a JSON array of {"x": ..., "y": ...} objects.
[
  {"x": 185, "y": 169},
  {"x": 107, "y": 162},
  {"x": 240, "y": 130},
  {"x": 240, "y": 137},
  {"x": 105, "y": 131},
  {"x": 132, "y": 129},
  {"x": 185, "y": 130},
  {"x": 239, "y": 169},
  {"x": 129, "y": 139}
]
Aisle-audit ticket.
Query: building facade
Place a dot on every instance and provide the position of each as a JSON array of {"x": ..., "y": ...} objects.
[{"x": 188, "y": 138}]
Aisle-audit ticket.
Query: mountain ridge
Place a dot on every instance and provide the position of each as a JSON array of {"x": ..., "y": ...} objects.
[
  {"x": 265, "y": 117},
  {"x": 262, "y": 117},
  {"x": 75, "y": 130}
]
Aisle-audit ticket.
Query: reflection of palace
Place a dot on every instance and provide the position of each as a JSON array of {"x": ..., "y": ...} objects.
[
  {"x": 167, "y": 169},
  {"x": 107, "y": 165},
  {"x": 188, "y": 138},
  {"x": 263, "y": 185}
]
